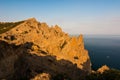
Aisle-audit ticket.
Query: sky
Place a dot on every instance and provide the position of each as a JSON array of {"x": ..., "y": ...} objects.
[{"x": 98, "y": 17}]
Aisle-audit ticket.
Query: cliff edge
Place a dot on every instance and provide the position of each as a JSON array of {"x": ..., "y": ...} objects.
[{"x": 31, "y": 48}]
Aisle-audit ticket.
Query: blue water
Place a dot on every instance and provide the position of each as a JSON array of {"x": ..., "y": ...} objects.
[{"x": 103, "y": 50}]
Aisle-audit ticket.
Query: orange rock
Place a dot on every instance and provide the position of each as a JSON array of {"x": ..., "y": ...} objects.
[
  {"x": 103, "y": 68},
  {"x": 50, "y": 41}
]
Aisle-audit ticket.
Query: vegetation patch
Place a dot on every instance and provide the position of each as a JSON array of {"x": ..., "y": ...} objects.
[{"x": 8, "y": 25}]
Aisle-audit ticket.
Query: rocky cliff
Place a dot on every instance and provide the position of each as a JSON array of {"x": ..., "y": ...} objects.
[{"x": 31, "y": 49}]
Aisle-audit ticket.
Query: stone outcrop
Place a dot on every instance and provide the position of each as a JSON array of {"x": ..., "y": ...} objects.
[
  {"x": 45, "y": 49},
  {"x": 43, "y": 76},
  {"x": 103, "y": 69}
]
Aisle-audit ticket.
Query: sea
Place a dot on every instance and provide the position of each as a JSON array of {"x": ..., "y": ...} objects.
[{"x": 103, "y": 50}]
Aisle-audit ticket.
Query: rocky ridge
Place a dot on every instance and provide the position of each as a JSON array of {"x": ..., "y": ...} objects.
[{"x": 47, "y": 49}]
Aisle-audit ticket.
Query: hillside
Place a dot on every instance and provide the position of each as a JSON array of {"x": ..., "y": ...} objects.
[
  {"x": 5, "y": 26},
  {"x": 31, "y": 49}
]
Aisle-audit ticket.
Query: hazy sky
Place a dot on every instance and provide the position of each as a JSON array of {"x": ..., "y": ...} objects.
[{"x": 74, "y": 16}]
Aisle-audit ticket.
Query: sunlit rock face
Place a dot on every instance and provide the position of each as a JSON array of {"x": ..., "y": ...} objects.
[
  {"x": 47, "y": 49},
  {"x": 103, "y": 69}
]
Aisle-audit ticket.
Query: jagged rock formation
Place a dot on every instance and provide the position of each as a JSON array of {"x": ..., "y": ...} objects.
[
  {"x": 103, "y": 69},
  {"x": 59, "y": 52}
]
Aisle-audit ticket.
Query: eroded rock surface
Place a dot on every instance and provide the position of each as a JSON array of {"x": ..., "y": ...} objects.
[{"x": 43, "y": 49}]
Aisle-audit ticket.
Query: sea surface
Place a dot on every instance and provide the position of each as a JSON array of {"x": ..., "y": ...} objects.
[{"x": 103, "y": 50}]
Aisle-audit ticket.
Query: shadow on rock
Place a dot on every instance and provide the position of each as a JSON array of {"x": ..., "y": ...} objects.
[{"x": 16, "y": 63}]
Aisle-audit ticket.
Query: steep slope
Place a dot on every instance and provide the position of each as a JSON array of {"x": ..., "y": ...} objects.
[{"x": 50, "y": 41}]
